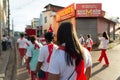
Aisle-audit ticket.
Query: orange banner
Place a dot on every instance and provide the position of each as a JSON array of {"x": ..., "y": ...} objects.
[
  {"x": 89, "y": 10},
  {"x": 66, "y": 13}
]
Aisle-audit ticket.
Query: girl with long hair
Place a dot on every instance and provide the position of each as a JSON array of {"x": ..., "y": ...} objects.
[
  {"x": 71, "y": 61},
  {"x": 104, "y": 40}
]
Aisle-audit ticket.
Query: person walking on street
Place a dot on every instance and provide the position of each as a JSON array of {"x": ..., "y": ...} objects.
[
  {"x": 89, "y": 42},
  {"x": 32, "y": 54},
  {"x": 4, "y": 43},
  {"x": 21, "y": 42},
  {"x": 104, "y": 40},
  {"x": 71, "y": 61},
  {"x": 10, "y": 42},
  {"x": 45, "y": 55},
  {"x": 82, "y": 40},
  {"x": 27, "y": 47}
]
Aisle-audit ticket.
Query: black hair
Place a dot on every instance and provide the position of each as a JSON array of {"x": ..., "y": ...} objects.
[
  {"x": 105, "y": 35},
  {"x": 33, "y": 39},
  {"x": 21, "y": 35},
  {"x": 49, "y": 36},
  {"x": 28, "y": 37},
  {"x": 88, "y": 35},
  {"x": 66, "y": 34}
]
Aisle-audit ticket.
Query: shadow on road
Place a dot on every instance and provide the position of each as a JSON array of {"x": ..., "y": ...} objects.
[
  {"x": 95, "y": 64},
  {"x": 118, "y": 78},
  {"x": 97, "y": 71}
]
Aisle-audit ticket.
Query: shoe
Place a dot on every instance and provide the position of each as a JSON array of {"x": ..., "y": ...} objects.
[{"x": 106, "y": 65}]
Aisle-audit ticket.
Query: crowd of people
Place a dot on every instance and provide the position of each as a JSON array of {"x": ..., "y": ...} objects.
[{"x": 67, "y": 59}]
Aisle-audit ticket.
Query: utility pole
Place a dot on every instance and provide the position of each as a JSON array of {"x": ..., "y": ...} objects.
[
  {"x": 0, "y": 29},
  {"x": 8, "y": 18},
  {"x": 12, "y": 27}
]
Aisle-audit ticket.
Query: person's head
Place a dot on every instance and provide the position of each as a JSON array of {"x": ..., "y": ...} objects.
[
  {"x": 33, "y": 38},
  {"x": 66, "y": 34},
  {"x": 49, "y": 37},
  {"x": 105, "y": 35},
  {"x": 21, "y": 35},
  {"x": 3, "y": 35},
  {"x": 28, "y": 38},
  {"x": 88, "y": 36}
]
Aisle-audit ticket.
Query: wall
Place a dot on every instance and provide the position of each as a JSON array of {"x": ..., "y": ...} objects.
[
  {"x": 102, "y": 25},
  {"x": 106, "y": 25},
  {"x": 50, "y": 20}
]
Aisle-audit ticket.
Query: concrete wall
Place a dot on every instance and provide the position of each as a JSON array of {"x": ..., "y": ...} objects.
[
  {"x": 106, "y": 25},
  {"x": 50, "y": 20}
]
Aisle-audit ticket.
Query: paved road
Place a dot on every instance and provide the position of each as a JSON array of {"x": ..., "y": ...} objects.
[
  {"x": 22, "y": 73},
  {"x": 99, "y": 72}
]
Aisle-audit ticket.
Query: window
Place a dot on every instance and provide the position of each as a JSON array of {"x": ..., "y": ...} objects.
[{"x": 45, "y": 19}]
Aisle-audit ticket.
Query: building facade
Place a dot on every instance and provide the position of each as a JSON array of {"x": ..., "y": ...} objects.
[
  {"x": 87, "y": 19},
  {"x": 3, "y": 18},
  {"x": 48, "y": 17}
]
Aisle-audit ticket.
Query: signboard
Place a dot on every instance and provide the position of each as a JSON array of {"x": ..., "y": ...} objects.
[
  {"x": 66, "y": 13},
  {"x": 30, "y": 31},
  {"x": 89, "y": 10}
]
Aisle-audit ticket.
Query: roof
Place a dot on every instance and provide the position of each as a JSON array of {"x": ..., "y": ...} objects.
[{"x": 53, "y": 6}]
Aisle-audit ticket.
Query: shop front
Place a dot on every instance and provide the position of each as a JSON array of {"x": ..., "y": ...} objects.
[{"x": 87, "y": 19}]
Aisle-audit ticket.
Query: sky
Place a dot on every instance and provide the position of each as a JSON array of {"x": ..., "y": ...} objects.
[{"x": 23, "y": 11}]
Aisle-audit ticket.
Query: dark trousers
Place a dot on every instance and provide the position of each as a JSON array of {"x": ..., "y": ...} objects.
[{"x": 4, "y": 45}]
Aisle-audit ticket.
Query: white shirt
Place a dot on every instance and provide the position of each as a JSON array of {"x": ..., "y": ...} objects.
[
  {"x": 28, "y": 44},
  {"x": 4, "y": 39},
  {"x": 103, "y": 43},
  {"x": 43, "y": 56},
  {"x": 81, "y": 40},
  {"x": 22, "y": 42},
  {"x": 58, "y": 65},
  {"x": 88, "y": 42}
]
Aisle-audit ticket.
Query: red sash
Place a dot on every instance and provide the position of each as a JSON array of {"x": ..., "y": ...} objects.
[
  {"x": 27, "y": 44},
  {"x": 79, "y": 69},
  {"x": 50, "y": 49},
  {"x": 91, "y": 42},
  {"x": 36, "y": 46}
]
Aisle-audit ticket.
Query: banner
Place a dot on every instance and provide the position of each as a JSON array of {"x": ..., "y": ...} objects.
[
  {"x": 66, "y": 13},
  {"x": 89, "y": 10}
]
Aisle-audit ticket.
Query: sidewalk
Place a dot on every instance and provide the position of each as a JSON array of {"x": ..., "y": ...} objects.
[{"x": 4, "y": 59}]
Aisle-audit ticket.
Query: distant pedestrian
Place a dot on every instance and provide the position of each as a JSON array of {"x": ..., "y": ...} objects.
[
  {"x": 21, "y": 45},
  {"x": 9, "y": 42},
  {"x": 4, "y": 43},
  {"x": 82, "y": 40},
  {"x": 104, "y": 40},
  {"x": 32, "y": 54},
  {"x": 71, "y": 61},
  {"x": 89, "y": 42},
  {"x": 45, "y": 55}
]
